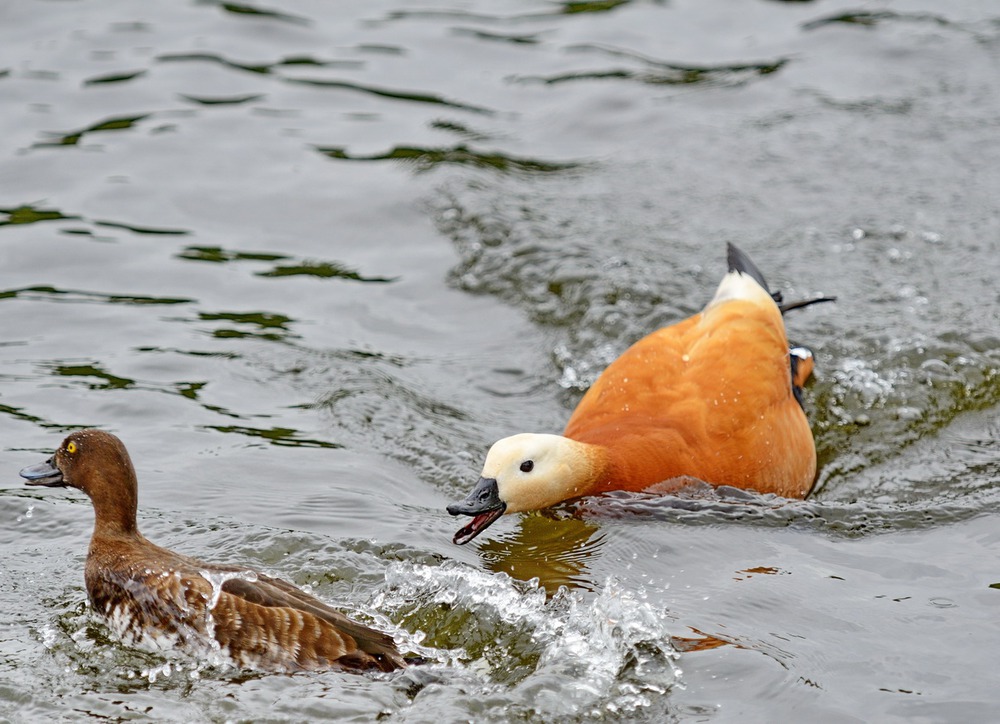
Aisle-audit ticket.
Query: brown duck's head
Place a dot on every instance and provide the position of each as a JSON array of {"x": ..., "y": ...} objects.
[{"x": 93, "y": 461}]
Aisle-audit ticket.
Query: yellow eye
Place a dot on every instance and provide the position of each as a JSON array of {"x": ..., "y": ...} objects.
[{"x": 71, "y": 448}]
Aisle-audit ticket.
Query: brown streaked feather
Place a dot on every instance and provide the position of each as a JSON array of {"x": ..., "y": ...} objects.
[
  {"x": 153, "y": 595},
  {"x": 265, "y": 623},
  {"x": 275, "y": 593}
]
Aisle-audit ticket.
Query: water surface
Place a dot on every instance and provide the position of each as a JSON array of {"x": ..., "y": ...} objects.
[{"x": 310, "y": 260}]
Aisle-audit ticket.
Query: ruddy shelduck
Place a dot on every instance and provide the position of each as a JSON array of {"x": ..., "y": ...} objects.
[{"x": 716, "y": 397}]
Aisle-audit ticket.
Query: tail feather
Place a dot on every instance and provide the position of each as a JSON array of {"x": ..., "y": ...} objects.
[{"x": 740, "y": 262}]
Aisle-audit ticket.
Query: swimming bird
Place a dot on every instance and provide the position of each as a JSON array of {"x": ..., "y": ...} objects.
[
  {"x": 716, "y": 397},
  {"x": 156, "y": 598}
]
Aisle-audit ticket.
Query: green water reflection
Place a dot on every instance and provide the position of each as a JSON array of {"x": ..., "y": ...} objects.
[
  {"x": 555, "y": 551},
  {"x": 426, "y": 158},
  {"x": 283, "y": 436},
  {"x": 318, "y": 269},
  {"x": 74, "y": 137}
]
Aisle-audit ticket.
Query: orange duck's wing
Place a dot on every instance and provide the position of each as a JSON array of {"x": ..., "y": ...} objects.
[
  {"x": 757, "y": 435},
  {"x": 710, "y": 397}
]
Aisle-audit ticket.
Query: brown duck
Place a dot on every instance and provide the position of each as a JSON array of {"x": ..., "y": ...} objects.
[{"x": 153, "y": 596}]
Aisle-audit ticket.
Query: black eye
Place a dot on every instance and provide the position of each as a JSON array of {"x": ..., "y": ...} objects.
[{"x": 527, "y": 466}]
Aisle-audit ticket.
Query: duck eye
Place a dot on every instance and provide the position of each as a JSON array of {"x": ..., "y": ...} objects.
[
  {"x": 527, "y": 466},
  {"x": 71, "y": 448}
]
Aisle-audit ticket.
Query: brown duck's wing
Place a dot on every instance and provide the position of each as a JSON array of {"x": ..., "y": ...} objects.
[
  {"x": 261, "y": 622},
  {"x": 319, "y": 634}
]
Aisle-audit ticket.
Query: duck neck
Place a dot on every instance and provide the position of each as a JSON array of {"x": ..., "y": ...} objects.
[
  {"x": 592, "y": 468},
  {"x": 115, "y": 512}
]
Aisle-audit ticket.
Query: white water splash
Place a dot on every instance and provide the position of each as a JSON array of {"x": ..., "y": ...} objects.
[
  {"x": 579, "y": 372},
  {"x": 153, "y": 673},
  {"x": 217, "y": 579},
  {"x": 605, "y": 654},
  {"x": 49, "y": 636},
  {"x": 858, "y": 376},
  {"x": 190, "y": 639},
  {"x": 614, "y": 651}
]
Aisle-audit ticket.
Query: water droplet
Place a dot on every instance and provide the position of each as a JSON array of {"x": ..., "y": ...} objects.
[{"x": 943, "y": 603}]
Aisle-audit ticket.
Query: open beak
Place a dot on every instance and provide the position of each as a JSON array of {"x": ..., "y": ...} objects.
[
  {"x": 484, "y": 504},
  {"x": 46, "y": 474}
]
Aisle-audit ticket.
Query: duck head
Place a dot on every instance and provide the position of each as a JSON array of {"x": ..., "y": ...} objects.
[
  {"x": 526, "y": 472},
  {"x": 97, "y": 463}
]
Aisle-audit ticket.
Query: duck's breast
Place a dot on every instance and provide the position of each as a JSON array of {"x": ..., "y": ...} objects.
[{"x": 150, "y": 608}]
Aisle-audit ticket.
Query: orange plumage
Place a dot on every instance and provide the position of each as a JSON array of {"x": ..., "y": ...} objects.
[{"x": 713, "y": 397}]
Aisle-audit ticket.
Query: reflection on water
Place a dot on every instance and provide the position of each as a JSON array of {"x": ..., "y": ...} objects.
[
  {"x": 518, "y": 39},
  {"x": 282, "y": 436},
  {"x": 114, "y": 78},
  {"x": 252, "y": 10},
  {"x": 259, "y": 68},
  {"x": 30, "y": 214},
  {"x": 107, "y": 381},
  {"x": 224, "y": 100},
  {"x": 868, "y": 19},
  {"x": 554, "y": 551},
  {"x": 571, "y": 7},
  {"x": 18, "y": 413},
  {"x": 142, "y": 229},
  {"x": 76, "y": 296},
  {"x": 324, "y": 342},
  {"x": 424, "y": 159},
  {"x": 322, "y": 270},
  {"x": 659, "y": 72},
  {"x": 701, "y": 641},
  {"x": 74, "y": 137},
  {"x": 252, "y": 325},
  {"x": 318, "y": 269},
  {"x": 391, "y": 93}
]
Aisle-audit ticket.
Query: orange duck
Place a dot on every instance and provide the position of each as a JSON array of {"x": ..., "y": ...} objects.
[
  {"x": 715, "y": 397},
  {"x": 156, "y": 598}
]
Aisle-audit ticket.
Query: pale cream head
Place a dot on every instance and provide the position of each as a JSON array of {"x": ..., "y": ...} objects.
[{"x": 534, "y": 471}]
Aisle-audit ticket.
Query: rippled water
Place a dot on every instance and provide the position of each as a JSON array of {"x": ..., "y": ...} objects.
[{"x": 309, "y": 260}]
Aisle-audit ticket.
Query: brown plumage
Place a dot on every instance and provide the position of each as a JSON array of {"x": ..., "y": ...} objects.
[
  {"x": 713, "y": 397},
  {"x": 153, "y": 596}
]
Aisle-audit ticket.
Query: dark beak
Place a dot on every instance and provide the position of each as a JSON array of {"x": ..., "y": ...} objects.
[
  {"x": 484, "y": 504},
  {"x": 46, "y": 474}
]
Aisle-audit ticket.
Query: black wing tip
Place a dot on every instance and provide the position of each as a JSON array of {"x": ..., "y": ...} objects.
[
  {"x": 741, "y": 263},
  {"x": 804, "y": 303}
]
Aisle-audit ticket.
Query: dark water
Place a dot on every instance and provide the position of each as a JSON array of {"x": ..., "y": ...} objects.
[{"x": 310, "y": 259}]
